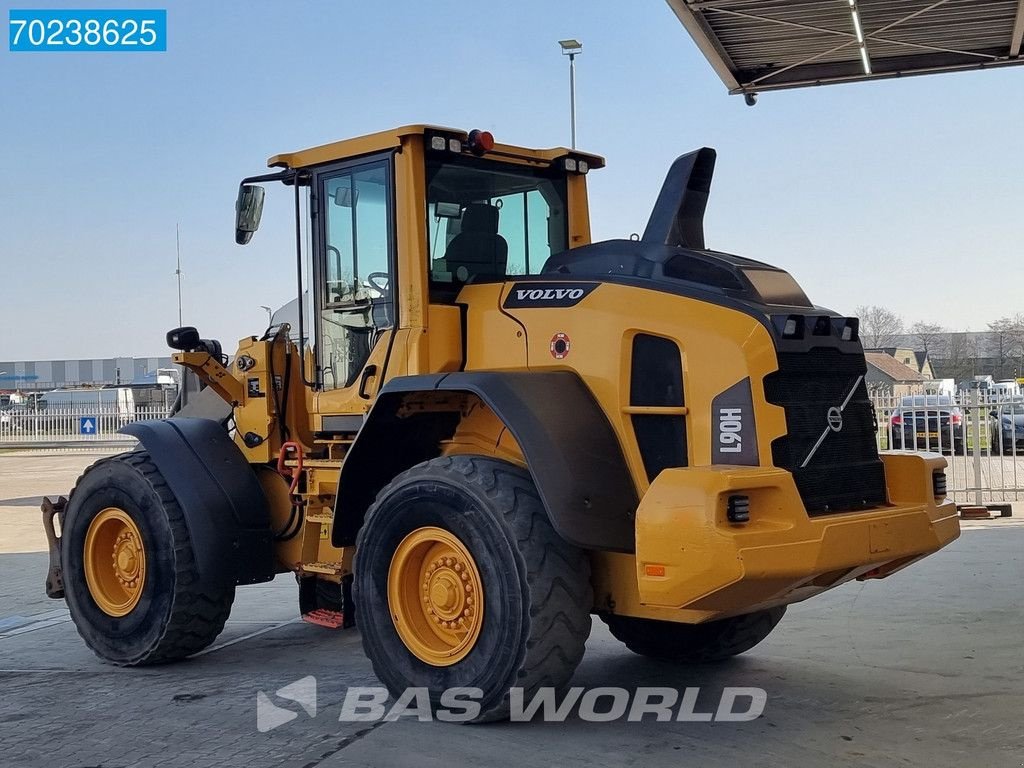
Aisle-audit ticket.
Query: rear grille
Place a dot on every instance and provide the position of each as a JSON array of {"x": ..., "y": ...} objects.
[
  {"x": 845, "y": 472},
  {"x": 656, "y": 380}
]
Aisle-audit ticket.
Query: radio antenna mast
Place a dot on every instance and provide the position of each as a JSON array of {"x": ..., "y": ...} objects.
[{"x": 177, "y": 248}]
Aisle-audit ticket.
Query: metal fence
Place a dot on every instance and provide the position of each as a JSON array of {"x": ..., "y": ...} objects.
[
  {"x": 28, "y": 427},
  {"x": 981, "y": 433}
]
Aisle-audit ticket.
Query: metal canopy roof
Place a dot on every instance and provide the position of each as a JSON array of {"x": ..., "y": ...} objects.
[{"x": 763, "y": 45}]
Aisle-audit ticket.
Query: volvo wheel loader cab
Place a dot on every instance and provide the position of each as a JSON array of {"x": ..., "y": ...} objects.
[{"x": 484, "y": 428}]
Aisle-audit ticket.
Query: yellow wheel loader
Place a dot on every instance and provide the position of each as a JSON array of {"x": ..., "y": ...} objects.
[{"x": 478, "y": 429}]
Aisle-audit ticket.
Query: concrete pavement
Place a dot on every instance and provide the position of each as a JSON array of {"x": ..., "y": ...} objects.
[{"x": 924, "y": 668}]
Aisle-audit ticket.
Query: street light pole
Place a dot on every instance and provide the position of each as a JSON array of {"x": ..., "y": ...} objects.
[{"x": 570, "y": 48}]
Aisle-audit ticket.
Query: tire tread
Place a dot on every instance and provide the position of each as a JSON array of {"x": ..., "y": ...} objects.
[
  {"x": 557, "y": 574},
  {"x": 198, "y": 614},
  {"x": 694, "y": 643}
]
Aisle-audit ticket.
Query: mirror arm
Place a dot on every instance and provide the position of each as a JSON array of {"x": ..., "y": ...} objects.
[{"x": 279, "y": 176}]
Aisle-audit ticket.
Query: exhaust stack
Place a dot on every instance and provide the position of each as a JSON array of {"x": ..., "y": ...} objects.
[{"x": 678, "y": 215}]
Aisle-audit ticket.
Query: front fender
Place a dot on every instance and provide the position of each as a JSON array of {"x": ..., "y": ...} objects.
[{"x": 225, "y": 509}]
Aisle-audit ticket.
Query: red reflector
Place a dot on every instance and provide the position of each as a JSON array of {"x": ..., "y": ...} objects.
[
  {"x": 654, "y": 570},
  {"x": 480, "y": 141}
]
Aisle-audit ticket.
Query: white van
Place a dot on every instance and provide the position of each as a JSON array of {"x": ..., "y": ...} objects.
[
  {"x": 116, "y": 400},
  {"x": 1008, "y": 389}
]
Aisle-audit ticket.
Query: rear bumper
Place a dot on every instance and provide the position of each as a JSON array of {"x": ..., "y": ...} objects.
[{"x": 689, "y": 556}]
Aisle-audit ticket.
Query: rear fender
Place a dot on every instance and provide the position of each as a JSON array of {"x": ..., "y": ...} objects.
[{"x": 570, "y": 448}]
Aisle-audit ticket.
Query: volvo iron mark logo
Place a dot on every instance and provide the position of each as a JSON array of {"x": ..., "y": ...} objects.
[
  {"x": 538, "y": 294},
  {"x": 835, "y": 419}
]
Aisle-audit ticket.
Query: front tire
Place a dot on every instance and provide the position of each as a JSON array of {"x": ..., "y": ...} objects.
[
  {"x": 130, "y": 576},
  {"x": 694, "y": 643},
  {"x": 455, "y": 528}
]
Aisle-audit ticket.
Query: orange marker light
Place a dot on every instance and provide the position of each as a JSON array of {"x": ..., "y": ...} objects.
[
  {"x": 654, "y": 570},
  {"x": 480, "y": 141}
]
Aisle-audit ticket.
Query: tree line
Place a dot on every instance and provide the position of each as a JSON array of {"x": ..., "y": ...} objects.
[{"x": 998, "y": 352}]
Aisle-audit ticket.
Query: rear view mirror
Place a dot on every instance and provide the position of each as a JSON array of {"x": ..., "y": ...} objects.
[
  {"x": 248, "y": 211},
  {"x": 346, "y": 197},
  {"x": 447, "y": 210}
]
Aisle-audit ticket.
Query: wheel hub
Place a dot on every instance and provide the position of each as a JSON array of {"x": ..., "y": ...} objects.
[
  {"x": 435, "y": 596},
  {"x": 114, "y": 561}
]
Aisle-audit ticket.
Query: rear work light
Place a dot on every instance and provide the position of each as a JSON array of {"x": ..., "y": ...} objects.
[
  {"x": 575, "y": 165},
  {"x": 440, "y": 142}
]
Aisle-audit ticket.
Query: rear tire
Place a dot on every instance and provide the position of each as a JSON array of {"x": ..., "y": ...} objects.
[
  {"x": 175, "y": 614},
  {"x": 694, "y": 643},
  {"x": 536, "y": 587}
]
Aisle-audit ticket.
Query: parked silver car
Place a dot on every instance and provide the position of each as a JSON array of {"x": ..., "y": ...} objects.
[{"x": 1007, "y": 429}]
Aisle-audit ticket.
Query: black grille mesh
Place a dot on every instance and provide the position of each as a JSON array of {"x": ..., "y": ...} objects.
[
  {"x": 656, "y": 379},
  {"x": 845, "y": 473}
]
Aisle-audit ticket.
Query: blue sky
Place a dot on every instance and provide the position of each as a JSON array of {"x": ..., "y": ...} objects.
[{"x": 900, "y": 193}]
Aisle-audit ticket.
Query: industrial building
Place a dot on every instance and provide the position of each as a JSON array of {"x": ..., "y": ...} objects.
[{"x": 26, "y": 375}]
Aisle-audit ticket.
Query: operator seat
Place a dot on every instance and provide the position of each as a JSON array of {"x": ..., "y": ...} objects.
[{"x": 478, "y": 249}]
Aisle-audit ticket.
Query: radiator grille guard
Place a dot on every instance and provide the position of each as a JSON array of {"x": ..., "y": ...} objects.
[{"x": 844, "y": 472}]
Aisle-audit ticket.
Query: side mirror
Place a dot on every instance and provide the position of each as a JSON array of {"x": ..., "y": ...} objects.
[
  {"x": 346, "y": 197},
  {"x": 248, "y": 211}
]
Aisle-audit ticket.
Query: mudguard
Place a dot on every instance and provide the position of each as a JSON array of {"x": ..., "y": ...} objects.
[
  {"x": 225, "y": 508},
  {"x": 570, "y": 448}
]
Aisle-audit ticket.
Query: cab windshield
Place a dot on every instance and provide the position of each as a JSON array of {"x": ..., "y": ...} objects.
[{"x": 488, "y": 221}]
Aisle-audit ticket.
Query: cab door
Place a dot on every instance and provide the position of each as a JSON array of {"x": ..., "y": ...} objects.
[{"x": 354, "y": 285}]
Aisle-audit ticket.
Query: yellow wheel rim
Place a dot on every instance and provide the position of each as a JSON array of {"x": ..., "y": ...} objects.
[
  {"x": 435, "y": 596},
  {"x": 115, "y": 562}
]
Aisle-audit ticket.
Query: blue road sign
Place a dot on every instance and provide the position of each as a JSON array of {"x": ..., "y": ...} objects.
[{"x": 87, "y": 425}]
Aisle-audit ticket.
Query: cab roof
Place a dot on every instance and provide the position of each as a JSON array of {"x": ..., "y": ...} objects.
[{"x": 392, "y": 139}]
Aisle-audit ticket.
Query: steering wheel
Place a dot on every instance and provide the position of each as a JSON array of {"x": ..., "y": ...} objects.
[{"x": 380, "y": 281}]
